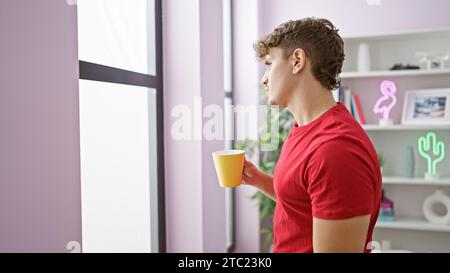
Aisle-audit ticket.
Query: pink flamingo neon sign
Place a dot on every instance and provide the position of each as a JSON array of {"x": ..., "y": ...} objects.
[{"x": 388, "y": 89}]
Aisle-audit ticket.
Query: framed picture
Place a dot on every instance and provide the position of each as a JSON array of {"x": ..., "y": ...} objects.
[{"x": 427, "y": 106}]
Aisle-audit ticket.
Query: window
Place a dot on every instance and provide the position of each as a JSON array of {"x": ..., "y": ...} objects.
[
  {"x": 118, "y": 33},
  {"x": 120, "y": 52}
]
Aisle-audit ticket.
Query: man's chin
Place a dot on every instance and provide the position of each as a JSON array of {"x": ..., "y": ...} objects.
[
  {"x": 271, "y": 102},
  {"x": 275, "y": 104}
]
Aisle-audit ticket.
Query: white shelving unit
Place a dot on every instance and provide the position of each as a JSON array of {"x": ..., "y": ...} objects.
[
  {"x": 394, "y": 73},
  {"x": 387, "y": 50},
  {"x": 410, "y": 231},
  {"x": 409, "y": 34},
  {"x": 398, "y": 180},
  {"x": 398, "y": 127},
  {"x": 412, "y": 224}
]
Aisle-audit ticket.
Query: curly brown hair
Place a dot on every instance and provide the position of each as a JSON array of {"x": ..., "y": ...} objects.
[{"x": 319, "y": 39}]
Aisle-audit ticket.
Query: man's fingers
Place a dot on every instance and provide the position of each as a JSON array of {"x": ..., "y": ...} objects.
[
  {"x": 246, "y": 174},
  {"x": 244, "y": 179},
  {"x": 248, "y": 163}
]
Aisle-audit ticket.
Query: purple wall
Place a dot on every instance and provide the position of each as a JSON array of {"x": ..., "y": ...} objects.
[
  {"x": 356, "y": 17},
  {"x": 182, "y": 177},
  {"x": 212, "y": 91},
  {"x": 246, "y": 86},
  {"x": 40, "y": 203},
  {"x": 193, "y": 68}
]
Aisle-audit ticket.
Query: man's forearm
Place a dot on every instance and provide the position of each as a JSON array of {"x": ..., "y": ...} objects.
[{"x": 266, "y": 185}]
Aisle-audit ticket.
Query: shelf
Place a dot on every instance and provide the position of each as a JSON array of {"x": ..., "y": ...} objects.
[
  {"x": 412, "y": 224},
  {"x": 420, "y": 181},
  {"x": 410, "y": 34},
  {"x": 375, "y": 127},
  {"x": 392, "y": 251},
  {"x": 393, "y": 73}
]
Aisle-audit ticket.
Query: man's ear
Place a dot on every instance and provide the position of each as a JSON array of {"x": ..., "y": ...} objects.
[{"x": 298, "y": 60}]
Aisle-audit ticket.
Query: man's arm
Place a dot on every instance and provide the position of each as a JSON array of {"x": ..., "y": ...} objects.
[
  {"x": 346, "y": 235},
  {"x": 342, "y": 185},
  {"x": 261, "y": 180}
]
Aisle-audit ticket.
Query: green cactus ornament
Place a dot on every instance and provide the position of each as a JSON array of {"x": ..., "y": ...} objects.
[{"x": 433, "y": 151}]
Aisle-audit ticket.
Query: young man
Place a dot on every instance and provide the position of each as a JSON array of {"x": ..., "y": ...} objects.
[{"x": 327, "y": 181}]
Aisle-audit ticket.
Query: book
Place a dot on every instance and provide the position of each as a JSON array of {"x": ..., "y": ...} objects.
[
  {"x": 353, "y": 109},
  {"x": 358, "y": 109}
]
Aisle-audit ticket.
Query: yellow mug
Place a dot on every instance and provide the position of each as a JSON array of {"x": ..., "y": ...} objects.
[{"x": 229, "y": 167}]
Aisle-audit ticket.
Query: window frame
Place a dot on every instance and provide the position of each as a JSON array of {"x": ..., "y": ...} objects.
[{"x": 103, "y": 73}]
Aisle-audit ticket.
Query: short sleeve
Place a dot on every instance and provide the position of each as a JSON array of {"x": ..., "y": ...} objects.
[{"x": 340, "y": 180}]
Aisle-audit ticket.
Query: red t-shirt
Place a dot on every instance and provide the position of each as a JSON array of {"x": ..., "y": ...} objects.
[{"x": 327, "y": 169}]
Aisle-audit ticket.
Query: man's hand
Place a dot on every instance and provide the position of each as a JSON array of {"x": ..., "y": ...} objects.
[
  {"x": 251, "y": 175},
  {"x": 256, "y": 178},
  {"x": 347, "y": 235}
]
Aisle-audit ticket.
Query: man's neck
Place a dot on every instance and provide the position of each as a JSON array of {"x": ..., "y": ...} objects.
[{"x": 308, "y": 106}]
